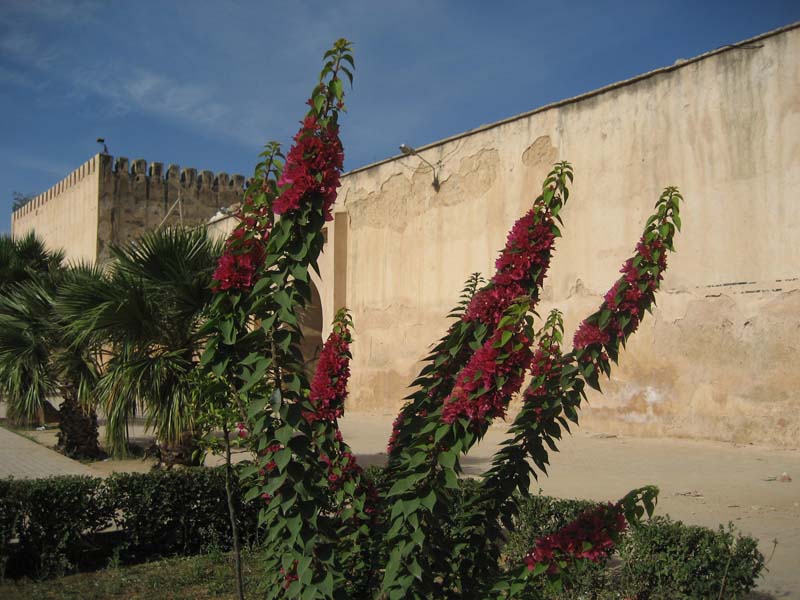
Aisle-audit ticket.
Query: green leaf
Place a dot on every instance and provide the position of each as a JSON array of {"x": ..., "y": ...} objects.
[
  {"x": 319, "y": 102},
  {"x": 447, "y": 459},
  {"x": 282, "y": 457},
  {"x": 209, "y": 353},
  {"x": 605, "y": 315},
  {"x": 429, "y": 501},
  {"x": 228, "y": 331},
  {"x": 399, "y": 486},
  {"x": 451, "y": 480},
  {"x": 256, "y": 407},
  {"x": 415, "y": 569},
  {"x": 336, "y": 88},
  {"x": 441, "y": 431},
  {"x": 284, "y": 434}
]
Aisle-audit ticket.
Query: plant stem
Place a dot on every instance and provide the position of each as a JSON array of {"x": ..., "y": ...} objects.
[{"x": 237, "y": 551}]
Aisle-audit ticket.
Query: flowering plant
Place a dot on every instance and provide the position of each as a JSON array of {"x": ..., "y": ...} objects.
[{"x": 319, "y": 510}]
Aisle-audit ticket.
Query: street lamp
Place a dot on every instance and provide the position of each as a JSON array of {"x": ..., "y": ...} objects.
[{"x": 409, "y": 151}]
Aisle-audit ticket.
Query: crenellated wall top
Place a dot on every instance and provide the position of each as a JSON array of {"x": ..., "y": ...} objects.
[
  {"x": 174, "y": 175},
  {"x": 135, "y": 172}
]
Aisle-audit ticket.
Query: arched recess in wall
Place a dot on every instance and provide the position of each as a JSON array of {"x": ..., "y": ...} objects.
[{"x": 311, "y": 326}]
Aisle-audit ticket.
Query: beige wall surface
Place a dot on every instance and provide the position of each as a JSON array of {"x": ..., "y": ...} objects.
[
  {"x": 65, "y": 216},
  {"x": 717, "y": 359}
]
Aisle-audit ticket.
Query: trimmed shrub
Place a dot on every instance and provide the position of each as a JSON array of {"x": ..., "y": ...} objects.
[
  {"x": 662, "y": 559},
  {"x": 52, "y": 526},
  {"x": 54, "y": 521},
  {"x": 667, "y": 559},
  {"x": 540, "y": 516},
  {"x": 10, "y": 514},
  {"x": 179, "y": 511},
  {"x": 55, "y": 525}
]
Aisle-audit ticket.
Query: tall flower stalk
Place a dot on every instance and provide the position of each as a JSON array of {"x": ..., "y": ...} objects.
[{"x": 319, "y": 510}]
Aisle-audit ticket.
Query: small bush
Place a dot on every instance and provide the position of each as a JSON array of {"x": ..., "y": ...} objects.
[
  {"x": 181, "y": 511},
  {"x": 52, "y": 526},
  {"x": 55, "y": 521},
  {"x": 667, "y": 559},
  {"x": 539, "y": 516},
  {"x": 10, "y": 515}
]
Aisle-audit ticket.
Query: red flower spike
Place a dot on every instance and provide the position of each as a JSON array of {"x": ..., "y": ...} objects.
[
  {"x": 312, "y": 170},
  {"x": 527, "y": 251},
  {"x": 627, "y": 299},
  {"x": 589, "y": 537},
  {"x": 329, "y": 385},
  {"x": 486, "y": 369}
]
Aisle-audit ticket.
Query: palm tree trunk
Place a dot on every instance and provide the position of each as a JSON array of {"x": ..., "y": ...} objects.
[
  {"x": 77, "y": 437},
  {"x": 181, "y": 452}
]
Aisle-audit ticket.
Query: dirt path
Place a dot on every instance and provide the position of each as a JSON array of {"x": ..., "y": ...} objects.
[{"x": 701, "y": 483}]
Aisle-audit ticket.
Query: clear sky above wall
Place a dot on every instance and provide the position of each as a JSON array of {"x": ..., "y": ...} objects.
[{"x": 205, "y": 84}]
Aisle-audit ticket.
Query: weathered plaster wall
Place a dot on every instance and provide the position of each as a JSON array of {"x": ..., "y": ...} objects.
[
  {"x": 65, "y": 216},
  {"x": 716, "y": 361},
  {"x": 717, "y": 358}
]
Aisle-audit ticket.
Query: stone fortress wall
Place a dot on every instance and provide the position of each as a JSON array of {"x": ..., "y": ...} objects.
[
  {"x": 718, "y": 358},
  {"x": 107, "y": 201}
]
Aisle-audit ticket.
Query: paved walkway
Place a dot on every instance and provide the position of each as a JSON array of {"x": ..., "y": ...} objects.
[{"x": 23, "y": 459}]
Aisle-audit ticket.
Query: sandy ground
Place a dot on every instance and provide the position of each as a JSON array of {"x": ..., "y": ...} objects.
[{"x": 703, "y": 483}]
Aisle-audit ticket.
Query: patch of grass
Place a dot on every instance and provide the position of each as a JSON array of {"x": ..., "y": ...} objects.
[{"x": 182, "y": 578}]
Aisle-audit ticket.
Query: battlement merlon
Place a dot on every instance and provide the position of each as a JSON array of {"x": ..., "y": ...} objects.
[{"x": 187, "y": 178}]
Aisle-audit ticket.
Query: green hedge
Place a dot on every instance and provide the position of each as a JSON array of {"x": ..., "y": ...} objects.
[
  {"x": 53, "y": 520},
  {"x": 667, "y": 559},
  {"x": 177, "y": 512},
  {"x": 55, "y": 525},
  {"x": 661, "y": 560}
]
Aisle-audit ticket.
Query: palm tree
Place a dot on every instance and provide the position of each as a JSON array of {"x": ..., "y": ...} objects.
[
  {"x": 20, "y": 258},
  {"x": 35, "y": 360},
  {"x": 147, "y": 312},
  {"x": 38, "y": 359}
]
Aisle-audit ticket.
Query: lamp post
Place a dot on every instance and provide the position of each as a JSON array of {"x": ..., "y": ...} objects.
[{"x": 409, "y": 151}]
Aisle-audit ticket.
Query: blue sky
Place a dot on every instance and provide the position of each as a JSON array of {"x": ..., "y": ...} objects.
[{"x": 206, "y": 84}]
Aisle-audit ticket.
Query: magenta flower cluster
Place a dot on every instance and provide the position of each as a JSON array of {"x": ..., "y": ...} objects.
[
  {"x": 628, "y": 297},
  {"x": 244, "y": 251},
  {"x": 329, "y": 385},
  {"x": 484, "y": 386},
  {"x": 520, "y": 268},
  {"x": 312, "y": 168},
  {"x": 589, "y": 537}
]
